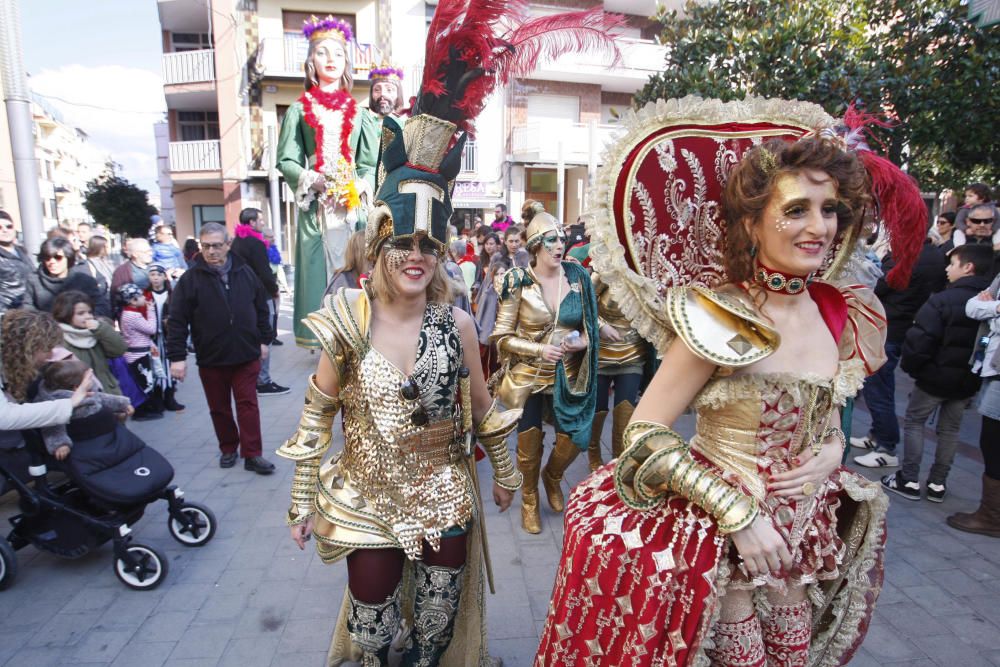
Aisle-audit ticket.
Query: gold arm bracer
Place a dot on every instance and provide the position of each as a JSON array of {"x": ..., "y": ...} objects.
[
  {"x": 492, "y": 433},
  {"x": 505, "y": 330},
  {"x": 307, "y": 447},
  {"x": 657, "y": 461}
]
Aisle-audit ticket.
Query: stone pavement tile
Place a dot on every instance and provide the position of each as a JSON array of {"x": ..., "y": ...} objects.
[
  {"x": 30, "y": 614},
  {"x": 934, "y": 599},
  {"x": 102, "y": 645},
  {"x": 63, "y": 630},
  {"x": 901, "y": 573},
  {"x": 985, "y": 605},
  {"x": 131, "y": 608},
  {"x": 891, "y": 595},
  {"x": 11, "y": 643},
  {"x": 910, "y": 620},
  {"x": 513, "y": 652},
  {"x": 184, "y": 596},
  {"x": 539, "y": 603},
  {"x": 306, "y": 635},
  {"x": 190, "y": 662},
  {"x": 205, "y": 567},
  {"x": 300, "y": 659},
  {"x": 202, "y": 641},
  {"x": 165, "y": 626},
  {"x": 956, "y": 582},
  {"x": 885, "y": 645},
  {"x": 146, "y": 654},
  {"x": 864, "y": 659},
  {"x": 511, "y": 623},
  {"x": 978, "y": 567},
  {"x": 93, "y": 599},
  {"x": 319, "y": 601},
  {"x": 48, "y": 656},
  {"x": 250, "y": 652},
  {"x": 222, "y": 607},
  {"x": 949, "y": 650},
  {"x": 974, "y": 630},
  {"x": 266, "y": 621},
  {"x": 992, "y": 656}
]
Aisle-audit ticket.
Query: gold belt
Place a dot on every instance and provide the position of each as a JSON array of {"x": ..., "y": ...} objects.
[{"x": 436, "y": 443}]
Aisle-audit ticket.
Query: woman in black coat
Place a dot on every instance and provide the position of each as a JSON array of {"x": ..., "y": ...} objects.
[{"x": 57, "y": 273}]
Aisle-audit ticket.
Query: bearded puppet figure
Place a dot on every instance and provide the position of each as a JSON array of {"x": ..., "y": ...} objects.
[{"x": 327, "y": 153}]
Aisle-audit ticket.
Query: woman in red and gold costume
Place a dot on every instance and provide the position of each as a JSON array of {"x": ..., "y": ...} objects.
[{"x": 747, "y": 544}]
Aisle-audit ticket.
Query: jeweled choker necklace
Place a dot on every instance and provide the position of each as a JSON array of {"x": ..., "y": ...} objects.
[{"x": 778, "y": 281}]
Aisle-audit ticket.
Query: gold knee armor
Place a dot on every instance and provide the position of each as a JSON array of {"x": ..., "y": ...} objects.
[{"x": 307, "y": 447}]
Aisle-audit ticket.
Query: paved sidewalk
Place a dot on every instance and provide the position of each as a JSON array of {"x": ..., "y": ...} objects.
[{"x": 250, "y": 597}]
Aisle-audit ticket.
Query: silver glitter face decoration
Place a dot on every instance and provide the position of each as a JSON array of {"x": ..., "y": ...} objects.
[{"x": 781, "y": 224}]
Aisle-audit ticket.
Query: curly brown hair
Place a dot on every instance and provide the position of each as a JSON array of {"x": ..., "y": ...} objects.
[
  {"x": 751, "y": 183},
  {"x": 24, "y": 334}
]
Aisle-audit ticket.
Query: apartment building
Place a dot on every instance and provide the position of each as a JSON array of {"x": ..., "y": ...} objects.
[
  {"x": 66, "y": 159},
  {"x": 231, "y": 69}
]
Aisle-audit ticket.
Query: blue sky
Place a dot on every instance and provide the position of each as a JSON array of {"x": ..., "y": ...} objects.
[{"x": 102, "y": 58}]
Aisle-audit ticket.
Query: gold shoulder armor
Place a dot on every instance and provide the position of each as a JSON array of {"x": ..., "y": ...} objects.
[{"x": 719, "y": 328}]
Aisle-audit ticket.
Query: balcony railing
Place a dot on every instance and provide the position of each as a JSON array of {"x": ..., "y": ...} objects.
[
  {"x": 194, "y": 155},
  {"x": 364, "y": 56},
  {"x": 189, "y": 67},
  {"x": 469, "y": 157},
  {"x": 544, "y": 140}
]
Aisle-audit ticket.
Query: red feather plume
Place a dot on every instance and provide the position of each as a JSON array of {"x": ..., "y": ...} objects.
[
  {"x": 473, "y": 46},
  {"x": 900, "y": 205}
]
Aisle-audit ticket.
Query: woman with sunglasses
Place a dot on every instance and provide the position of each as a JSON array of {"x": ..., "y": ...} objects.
[
  {"x": 400, "y": 503},
  {"x": 57, "y": 272},
  {"x": 546, "y": 321}
]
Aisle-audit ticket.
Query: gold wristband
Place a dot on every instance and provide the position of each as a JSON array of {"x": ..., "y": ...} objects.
[
  {"x": 837, "y": 434},
  {"x": 492, "y": 433},
  {"x": 312, "y": 438}
]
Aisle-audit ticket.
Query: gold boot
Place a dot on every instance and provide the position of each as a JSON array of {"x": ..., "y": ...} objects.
[
  {"x": 562, "y": 455},
  {"x": 594, "y": 448},
  {"x": 529, "y": 460},
  {"x": 619, "y": 420}
]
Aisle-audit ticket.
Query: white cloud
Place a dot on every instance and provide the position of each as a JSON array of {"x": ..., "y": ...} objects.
[{"x": 116, "y": 106}]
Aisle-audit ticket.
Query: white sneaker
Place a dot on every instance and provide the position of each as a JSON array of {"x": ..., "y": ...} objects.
[
  {"x": 863, "y": 442},
  {"x": 877, "y": 460}
]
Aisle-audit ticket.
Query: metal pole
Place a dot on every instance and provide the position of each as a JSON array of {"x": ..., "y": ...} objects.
[
  {"x": 561, "y": 183},
  {"x": 17, "y": 98}
]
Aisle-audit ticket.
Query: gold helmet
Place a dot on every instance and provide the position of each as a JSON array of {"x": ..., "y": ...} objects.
[{"x": 541, "y": 225}]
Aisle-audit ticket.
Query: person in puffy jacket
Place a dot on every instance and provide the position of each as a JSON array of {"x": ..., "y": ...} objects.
[{"x": 936, "y": 354}]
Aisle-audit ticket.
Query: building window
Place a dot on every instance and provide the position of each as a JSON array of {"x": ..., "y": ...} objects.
[
  {"x": 469, "y": 157},
  {"x": 190, "y": 41},
  {"x": 204, "y": 214},
  {"x": 198, "y": 125}
]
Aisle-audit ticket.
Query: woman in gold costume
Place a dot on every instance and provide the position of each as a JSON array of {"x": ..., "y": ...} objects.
[
  {"x": 621, "y": 362},
  {"x": 401, "y": 501},
  {"x": 749, "y": 544},
  {"x": 546, "y": 321}
]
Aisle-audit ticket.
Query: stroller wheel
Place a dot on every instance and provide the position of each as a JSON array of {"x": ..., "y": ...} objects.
[
  {"x": 8, "y": 564},
  {"x": 200, "y": 526},
  {"x": 144, "y": 570}
]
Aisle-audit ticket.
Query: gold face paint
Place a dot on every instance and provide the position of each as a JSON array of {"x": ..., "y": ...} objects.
[{"x": 395, "y": 258}]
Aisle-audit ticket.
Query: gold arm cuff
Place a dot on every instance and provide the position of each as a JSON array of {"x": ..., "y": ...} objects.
[
  {"x": 521, "y": 347},
  {"x": 657, "y": 461},
  {"x": 312, "y": 438},
  {"x": 492, "y": 433},
  {"x": 303, "y": 491}
]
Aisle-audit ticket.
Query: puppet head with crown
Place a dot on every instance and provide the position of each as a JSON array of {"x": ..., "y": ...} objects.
[
  {"x": 387, "y": 89},
  {"x": 328, "y": 63},
  {"x": 471, "y": 49}
]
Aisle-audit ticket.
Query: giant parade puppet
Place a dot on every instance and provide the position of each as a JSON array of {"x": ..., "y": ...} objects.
[
  {"x": 729, "y": 234},
  {"x": 327, "y": 151}
]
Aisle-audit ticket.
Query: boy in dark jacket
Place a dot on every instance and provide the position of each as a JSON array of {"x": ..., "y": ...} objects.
[{"x": 936, "y": 354}]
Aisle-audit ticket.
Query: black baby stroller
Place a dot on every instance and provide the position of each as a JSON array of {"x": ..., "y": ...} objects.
[{"x": 110, "y": 481}]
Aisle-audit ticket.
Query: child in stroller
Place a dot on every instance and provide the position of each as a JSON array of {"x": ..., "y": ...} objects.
[
  {"x": 59, "y": 380},
  {"x": 113, "y": 476}
]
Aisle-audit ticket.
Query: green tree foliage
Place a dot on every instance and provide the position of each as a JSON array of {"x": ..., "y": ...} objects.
[
  {"x": 121, "y": 206},
  {"x": 922, "y": 63}
]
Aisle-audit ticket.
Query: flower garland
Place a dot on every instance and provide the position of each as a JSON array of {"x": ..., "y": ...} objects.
[{"x": 339, "y": 177}]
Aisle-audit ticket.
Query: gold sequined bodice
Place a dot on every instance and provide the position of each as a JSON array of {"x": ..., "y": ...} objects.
[{"x": 632, "y": 348}]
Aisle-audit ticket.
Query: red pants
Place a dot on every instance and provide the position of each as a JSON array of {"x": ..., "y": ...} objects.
[{"x": 222, "y": 384}]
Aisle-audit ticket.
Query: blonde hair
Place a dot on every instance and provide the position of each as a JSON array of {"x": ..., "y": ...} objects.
[
  {"x": 355, "y": 255},
  {"x": 438, "y": 289},
  {"x": 24, "y": 334}
]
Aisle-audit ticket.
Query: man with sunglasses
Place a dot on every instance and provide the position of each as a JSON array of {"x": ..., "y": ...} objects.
[
  {"x": 223, "y": 304},
  {"x": 16, "y": 266}
]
